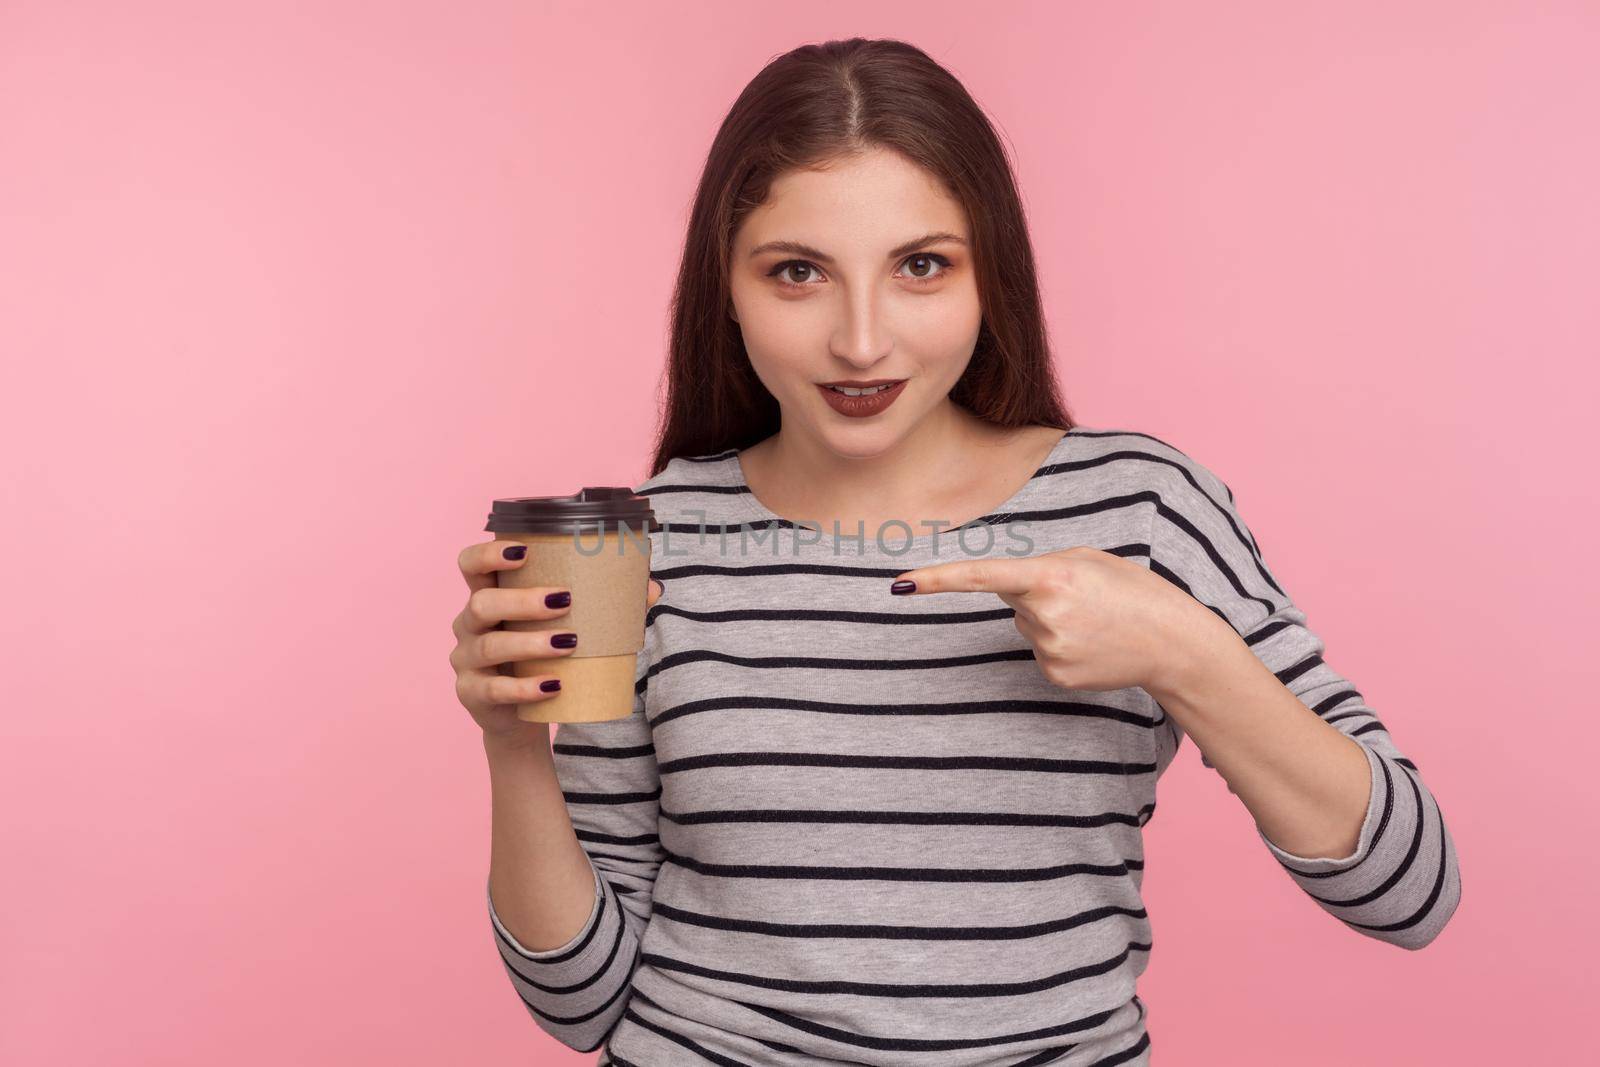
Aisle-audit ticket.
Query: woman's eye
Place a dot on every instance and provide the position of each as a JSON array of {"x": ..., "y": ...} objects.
[
  {"x": 782, "y": 270},
  {"x": 921, "y": 269},
  {"x": 924, "y": 261}
]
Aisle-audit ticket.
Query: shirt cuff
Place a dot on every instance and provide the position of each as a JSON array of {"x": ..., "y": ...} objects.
[
  {"x": 1378, "y": 805},
  {"x": 529, "y": 954}
]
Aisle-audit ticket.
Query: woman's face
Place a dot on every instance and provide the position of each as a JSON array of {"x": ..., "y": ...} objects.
[{"x": 835, "y": 278}]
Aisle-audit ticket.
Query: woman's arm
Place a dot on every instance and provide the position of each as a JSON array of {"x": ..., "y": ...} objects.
[
  {"x": 540, "y": 881},
  {"x": 574, "y": 855},
  {"x": 1370, "y": 840},
  {"x": 1306, "y": 784}
]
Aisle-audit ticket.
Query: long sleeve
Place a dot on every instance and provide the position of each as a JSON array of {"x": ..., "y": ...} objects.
[
  {"x": 577, "y": 992},
  {"x": 1402, "y": 883}
]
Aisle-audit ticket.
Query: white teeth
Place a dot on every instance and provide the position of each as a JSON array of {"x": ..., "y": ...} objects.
[{"x": 847, "y": 391}]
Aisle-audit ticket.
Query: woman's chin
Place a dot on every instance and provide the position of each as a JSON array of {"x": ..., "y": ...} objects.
[{"x": 860, "y": 442}]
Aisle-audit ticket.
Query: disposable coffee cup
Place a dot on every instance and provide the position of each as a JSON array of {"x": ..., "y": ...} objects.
[{"x": 596, "y": 543}]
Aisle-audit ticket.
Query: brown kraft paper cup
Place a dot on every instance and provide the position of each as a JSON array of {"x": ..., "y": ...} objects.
[{"x": 596, "y": 543}]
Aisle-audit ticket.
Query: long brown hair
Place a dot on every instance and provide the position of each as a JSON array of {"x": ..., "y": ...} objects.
[{"x": 807, "y": 107}]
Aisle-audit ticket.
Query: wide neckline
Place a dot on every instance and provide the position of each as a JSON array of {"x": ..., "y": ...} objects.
[{"x": 893, "y": 535}]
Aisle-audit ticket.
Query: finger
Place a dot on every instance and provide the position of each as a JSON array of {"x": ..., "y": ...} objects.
[
  {"x": 490, "y": 606},
  {"x": 1028, "y": 626},
  {"x": 1014, "y": 576},
  {"x": 510, "y": 646},
  {"x": 654, "y": 593},
  {"x": 497, "y": 689},
  {"x": 479, "y": 562}
]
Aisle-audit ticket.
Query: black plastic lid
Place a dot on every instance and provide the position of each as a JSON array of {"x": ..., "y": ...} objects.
[{"x": 589, "y": 510}]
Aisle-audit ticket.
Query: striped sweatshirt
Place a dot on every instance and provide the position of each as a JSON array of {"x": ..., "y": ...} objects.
[{"x": 846, "y": 827}]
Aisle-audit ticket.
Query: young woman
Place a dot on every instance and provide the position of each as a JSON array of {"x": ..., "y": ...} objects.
[{"x": 919, "y": 651}]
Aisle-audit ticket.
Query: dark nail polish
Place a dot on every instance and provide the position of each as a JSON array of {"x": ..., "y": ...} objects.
[
  {"x": 550, "y": 685},
  {"x": 564, "y": 641},
  {"x": 558, "y": 600},
  {"x": 905, "y": 585},
  {"x": 515, "y": 551}
]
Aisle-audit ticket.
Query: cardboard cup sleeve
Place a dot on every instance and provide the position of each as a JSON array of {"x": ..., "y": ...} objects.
[{"x": 609, "y": 588}]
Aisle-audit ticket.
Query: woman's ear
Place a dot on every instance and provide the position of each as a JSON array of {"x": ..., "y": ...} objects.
[{"x": 733, "y": 312}]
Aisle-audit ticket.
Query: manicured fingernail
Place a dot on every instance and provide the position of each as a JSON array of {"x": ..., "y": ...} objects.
[
  {"x": 550, "y": 685},
  {"x": 564, "y": 641},
  {"x": 905, "y": 585},
  {"x": 558, "y": 600},
  {"x": 515, "y": 551}
]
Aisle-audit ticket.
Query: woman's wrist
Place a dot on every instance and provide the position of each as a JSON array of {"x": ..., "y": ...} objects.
[
  {"x": 531, "y": 744},
  {"x": 1191, "y": 655}
]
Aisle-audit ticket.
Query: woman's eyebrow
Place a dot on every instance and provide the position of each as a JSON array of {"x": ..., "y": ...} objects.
[{"x": 798, "y": 248}]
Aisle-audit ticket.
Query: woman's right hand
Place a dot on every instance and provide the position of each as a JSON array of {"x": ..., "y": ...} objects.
[{"x": 481, "y": 646}]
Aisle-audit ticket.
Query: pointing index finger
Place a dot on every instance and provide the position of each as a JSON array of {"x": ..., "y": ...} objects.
[{"x": 1012, "y": 575}]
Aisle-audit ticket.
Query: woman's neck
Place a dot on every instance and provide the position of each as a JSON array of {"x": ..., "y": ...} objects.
[{"x": 951, "y": 468}]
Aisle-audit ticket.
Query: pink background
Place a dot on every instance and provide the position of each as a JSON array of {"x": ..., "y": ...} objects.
[{"x": 287, "y": 297}]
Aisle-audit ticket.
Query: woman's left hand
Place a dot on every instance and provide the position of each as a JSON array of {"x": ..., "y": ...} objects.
[{"x": 1096, "y": 621}]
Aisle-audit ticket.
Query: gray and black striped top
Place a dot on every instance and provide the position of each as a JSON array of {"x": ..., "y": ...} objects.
[{"x": 845, "y": 827}]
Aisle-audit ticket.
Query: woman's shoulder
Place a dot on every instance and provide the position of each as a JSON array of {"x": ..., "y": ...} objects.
[
  {"x": 696, "y": 484},
  {"x": 1136, "y": 461},
  {"x": 712, "y": 468}
]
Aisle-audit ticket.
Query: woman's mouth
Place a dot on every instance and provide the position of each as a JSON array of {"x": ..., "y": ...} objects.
[{"x": 858, "y": 403}]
